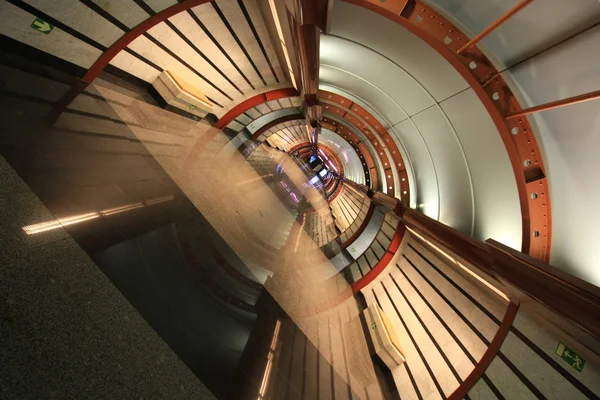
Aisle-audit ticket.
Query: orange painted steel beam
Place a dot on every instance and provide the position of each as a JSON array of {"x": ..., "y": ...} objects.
[
  {"x": 253, "y": 102},
  {"x": 384, "y": 262},
  {"x": 497, "y": 98},
  {"x": 276, "y": 122},
  {"x": 136, "y": 32},
  {"x": 344, "y": 108},
  {"x": 115, "y": 49},
  {"x": 555, "y": 104},
  {"x": 517, "y": 7},
  {"x": 489, "y": 355},
  {"x": 307, "y": 19}
]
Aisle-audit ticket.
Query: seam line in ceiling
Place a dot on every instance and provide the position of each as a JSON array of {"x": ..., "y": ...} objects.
[
  {"x": 412, "y": 122},
  {"x": 464, "y": 155},
  {"x": 436, "y": 104},
  {"x": 373, "y": 85},
  {"x": 390, "y": 128},
  {"x": 378, "y": 138},
  {"x": 390, "y": 60}
]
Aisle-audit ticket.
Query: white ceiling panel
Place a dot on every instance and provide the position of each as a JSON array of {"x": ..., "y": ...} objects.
[
  {"x": 159, "y": 5},
  {"x": 425, "y": 177},
  {"x": 192, "y": 30},
  {"x": 497, "y": 206},
  {"x": 353, "y": 169},
  {"x": 234, "y": 15},
  {"x": 400, "y": 46},
  {"x": 364, "y": 89},
  {"x": 456, "y": 198},
  {"x": 377, "y": 70},
  {"x": 265, "y": 119}
]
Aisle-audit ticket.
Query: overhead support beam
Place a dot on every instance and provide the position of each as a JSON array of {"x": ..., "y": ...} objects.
[
  {"x": 515, "y": 9},
  {"x": 555, "y": 104}
]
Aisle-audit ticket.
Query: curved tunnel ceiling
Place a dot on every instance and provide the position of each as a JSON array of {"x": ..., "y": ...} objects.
[
  {"x": 462, "y": 174},
  {"x": 458, "y": 167},
  {"x": 543, "y": 62},
  {"x": 350, "y": 160}
]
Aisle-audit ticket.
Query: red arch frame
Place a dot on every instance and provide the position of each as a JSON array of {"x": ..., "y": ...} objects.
[
  {"x": 253, "y": 102},
  {"x": 136, "y": 32},
  {"x": 342, "y": 103},
  {"x": 432, "y": 27},
  {"x": 285, "y": 118}
]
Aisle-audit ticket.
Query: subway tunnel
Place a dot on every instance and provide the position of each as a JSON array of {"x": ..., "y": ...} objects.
[{"x": 299, "y": 199}]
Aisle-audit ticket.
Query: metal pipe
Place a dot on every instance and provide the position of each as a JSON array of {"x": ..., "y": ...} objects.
[
  {"x": 555, "y": 104},
  {"x": 517, "y": 7}
]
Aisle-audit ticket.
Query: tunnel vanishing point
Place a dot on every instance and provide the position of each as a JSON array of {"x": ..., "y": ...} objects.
[{"x": 299, "y": 199}]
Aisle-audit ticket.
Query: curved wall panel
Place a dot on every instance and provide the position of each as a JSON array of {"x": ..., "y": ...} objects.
[
  {"x": 497, "y": 212},
  {"x": 379, "y": 71},
  {"x": 456, "y": 199},
  {"x": 388, "y": 127},
  {"x": 399, "y": 46},
  {"x": 570, "y": 139},
  {"x": 350, "y": 161},
  {"x": 461, "y": 169},
  {"x": 373, "y": 95},
  {"x": 427, "y": 194},
  {"x": 548, "y": 61}
]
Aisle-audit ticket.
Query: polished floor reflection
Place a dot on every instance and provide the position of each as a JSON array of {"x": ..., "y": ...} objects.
[{"x": 222, "y": 246}]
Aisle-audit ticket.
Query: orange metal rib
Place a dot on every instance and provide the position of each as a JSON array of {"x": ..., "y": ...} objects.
[
  {"x": 518, "y": 7},
  {"x": 555, "y": 104}
]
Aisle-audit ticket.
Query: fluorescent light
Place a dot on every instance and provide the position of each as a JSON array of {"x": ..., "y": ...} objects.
[
  {"x": 76, "y": 219},
  {"x": 466, "y": 269},
  {"x": 332, "y": 166},
  {"x": 159, "y": 200},
  {"x": 270, "y": 357},
  {"x": 58, "y": 223},
  {"x": 121, "y": 209}
]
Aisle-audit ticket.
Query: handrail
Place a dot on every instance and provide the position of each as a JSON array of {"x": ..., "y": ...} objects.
[{"x": 521, "y": 277}]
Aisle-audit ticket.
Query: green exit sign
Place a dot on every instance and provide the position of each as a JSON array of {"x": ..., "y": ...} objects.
[
  {"x": 40, "y": 25},
  {"x": 572, "y": 358}
]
